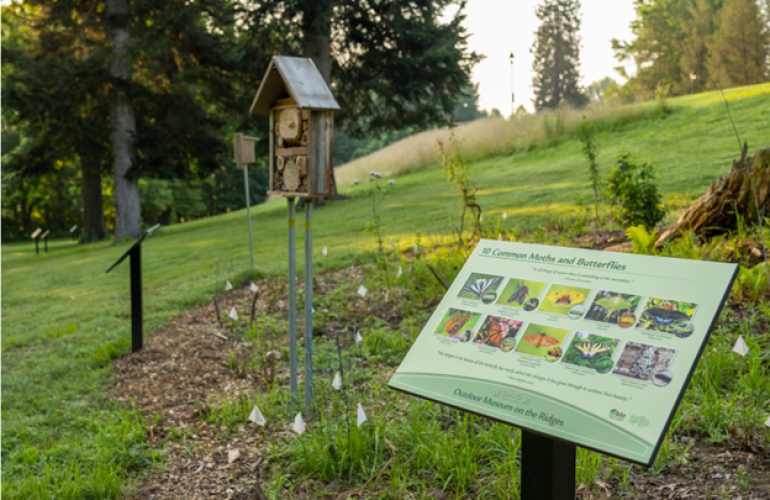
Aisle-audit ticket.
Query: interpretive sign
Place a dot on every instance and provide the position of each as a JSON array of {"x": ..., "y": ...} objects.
[
  {"x": 592, "y": 348},
  {"x": 137, "y": 322}
]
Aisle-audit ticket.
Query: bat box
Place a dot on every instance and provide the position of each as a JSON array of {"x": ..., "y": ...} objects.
[{"x": 300, "y": 106}]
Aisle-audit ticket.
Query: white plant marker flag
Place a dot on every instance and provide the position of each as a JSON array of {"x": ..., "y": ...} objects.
[
  {"x": 740, "y": 346},
  {"x": 481, "y": 218},
  {"x": 361, "y": 415},
  {"x": 400, "y": 272},
  {"x": 505, "y": 215},
  {"x": 253, "y": 287},
  {"x": 228, "y": 286},
  {"x": 767, "y": 422},
  {"x": 257, "y": 417},
  {"x": 325, "y": 251},
  {"x": 362, "y": 291},
  {"x": 299, "y": 424},
  {"x": 233, "y": 313},
  {"x": 337, "y": 382},
  {"x": 359, "y": 338}
]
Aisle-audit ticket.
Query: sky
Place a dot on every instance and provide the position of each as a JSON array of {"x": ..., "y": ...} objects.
[{"x": 499, "y": 27}]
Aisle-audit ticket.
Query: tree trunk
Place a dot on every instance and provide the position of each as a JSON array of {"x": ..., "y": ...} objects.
[
  {"x": 93, "y": 206},
  {"x": 127, "y": 207},
  {"x": 715, "y": 211},
  {"x": 316, "y": 44}
]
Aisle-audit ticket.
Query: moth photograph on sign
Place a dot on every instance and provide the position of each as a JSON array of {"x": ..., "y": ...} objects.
[{"x": 626, "y": 375}]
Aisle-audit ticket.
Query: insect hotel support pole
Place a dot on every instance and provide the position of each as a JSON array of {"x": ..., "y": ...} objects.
[
  {"x": 292, "y": 302},
  {"x": 308, "y": 306},
  {"x": 547, "y": 468}
]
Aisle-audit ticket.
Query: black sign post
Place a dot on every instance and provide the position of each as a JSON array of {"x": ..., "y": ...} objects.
[
  {"x": 547, "y": 468},
  {"x": 137, "y": 336},
  {"x": 44, "y": 237},
  {"x": 34, "y": 236}
]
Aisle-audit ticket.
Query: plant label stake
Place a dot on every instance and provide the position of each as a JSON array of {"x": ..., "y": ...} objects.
[
  {"x": 244, "y": 155},
  {"x": 73, "y": 233},
  {"x": 34, "y": 236},
  {"x": 135, "y": 252},
  {"x": 44, "y": 237},
  {"x": 300, "y": 108}
]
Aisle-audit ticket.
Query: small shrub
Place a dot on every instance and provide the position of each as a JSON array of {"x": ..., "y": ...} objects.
[{"x": 634, "y": 189}]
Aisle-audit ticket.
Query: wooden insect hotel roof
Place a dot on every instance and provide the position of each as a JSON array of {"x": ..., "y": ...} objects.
[{"x": 295, "y": 77}]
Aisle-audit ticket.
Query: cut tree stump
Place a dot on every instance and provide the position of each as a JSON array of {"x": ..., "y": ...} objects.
[{"x": 715, "y": 211}]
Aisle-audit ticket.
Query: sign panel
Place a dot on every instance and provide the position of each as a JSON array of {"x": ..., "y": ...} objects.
[{"x": 592, "y": 348}]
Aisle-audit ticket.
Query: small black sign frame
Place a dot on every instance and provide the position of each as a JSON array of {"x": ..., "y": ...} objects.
[{"x": 137, "y": 321}]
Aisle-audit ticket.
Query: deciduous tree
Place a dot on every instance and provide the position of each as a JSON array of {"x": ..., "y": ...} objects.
[{"x": 739, "y": 47}]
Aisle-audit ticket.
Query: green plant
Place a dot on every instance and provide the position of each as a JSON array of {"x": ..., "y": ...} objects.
[
  {"x": 634, "y": 189},
  {"x": 642, "y": 240},
  {"x": 376, "y": 192},
  {"x": 458, "y": 173},
  {"x": 586, "y": 132}
]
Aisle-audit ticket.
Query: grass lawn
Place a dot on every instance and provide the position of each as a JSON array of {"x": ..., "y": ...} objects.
[{"x": 64, "y": 319}]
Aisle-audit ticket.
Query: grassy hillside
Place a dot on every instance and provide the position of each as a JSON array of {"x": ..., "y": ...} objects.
[{"x": 64, "y": 319}]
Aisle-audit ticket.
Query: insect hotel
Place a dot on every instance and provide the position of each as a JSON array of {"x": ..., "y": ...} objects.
[{"x": 300, "y": 106}]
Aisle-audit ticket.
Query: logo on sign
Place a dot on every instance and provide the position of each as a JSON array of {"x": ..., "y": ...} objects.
[{"x": 617, "y": 415}]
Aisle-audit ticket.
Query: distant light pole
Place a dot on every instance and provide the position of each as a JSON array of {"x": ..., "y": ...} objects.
[{"x": 513, "y": 99}]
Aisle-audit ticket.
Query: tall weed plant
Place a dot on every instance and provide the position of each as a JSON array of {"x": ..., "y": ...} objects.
[
  {"x": 458, "y": 174},
  {"x": 586, "y": 132}
]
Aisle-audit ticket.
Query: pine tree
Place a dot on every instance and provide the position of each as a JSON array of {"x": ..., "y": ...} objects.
[
  {"x": 740, "y": 46},
  {"x": 697, "y": 28},
  {"x": 557, "y": 55},
  {"x": 128, "y": 211},
  {"x": 51, "y": 97},
  {"x": 391, "y": 65},
  {"x": 68, "y": 83}
]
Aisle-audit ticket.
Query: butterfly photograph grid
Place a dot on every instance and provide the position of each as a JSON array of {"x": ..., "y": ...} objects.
[{"x": 590, "y": 351}]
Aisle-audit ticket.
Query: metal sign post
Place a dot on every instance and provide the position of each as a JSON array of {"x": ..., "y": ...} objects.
[
  {"x": 244, "y": 154},
  {"x": 547, "y": 468},
  {"x": 44, "y": 237},
  {"x": 135, "y": 252}
]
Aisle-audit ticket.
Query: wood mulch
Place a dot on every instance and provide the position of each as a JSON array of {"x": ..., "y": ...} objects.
[{"x": 182, "y": 367}]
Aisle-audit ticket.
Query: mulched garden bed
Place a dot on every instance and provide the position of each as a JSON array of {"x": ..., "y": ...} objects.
[{"x": 182, "y": 366}]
